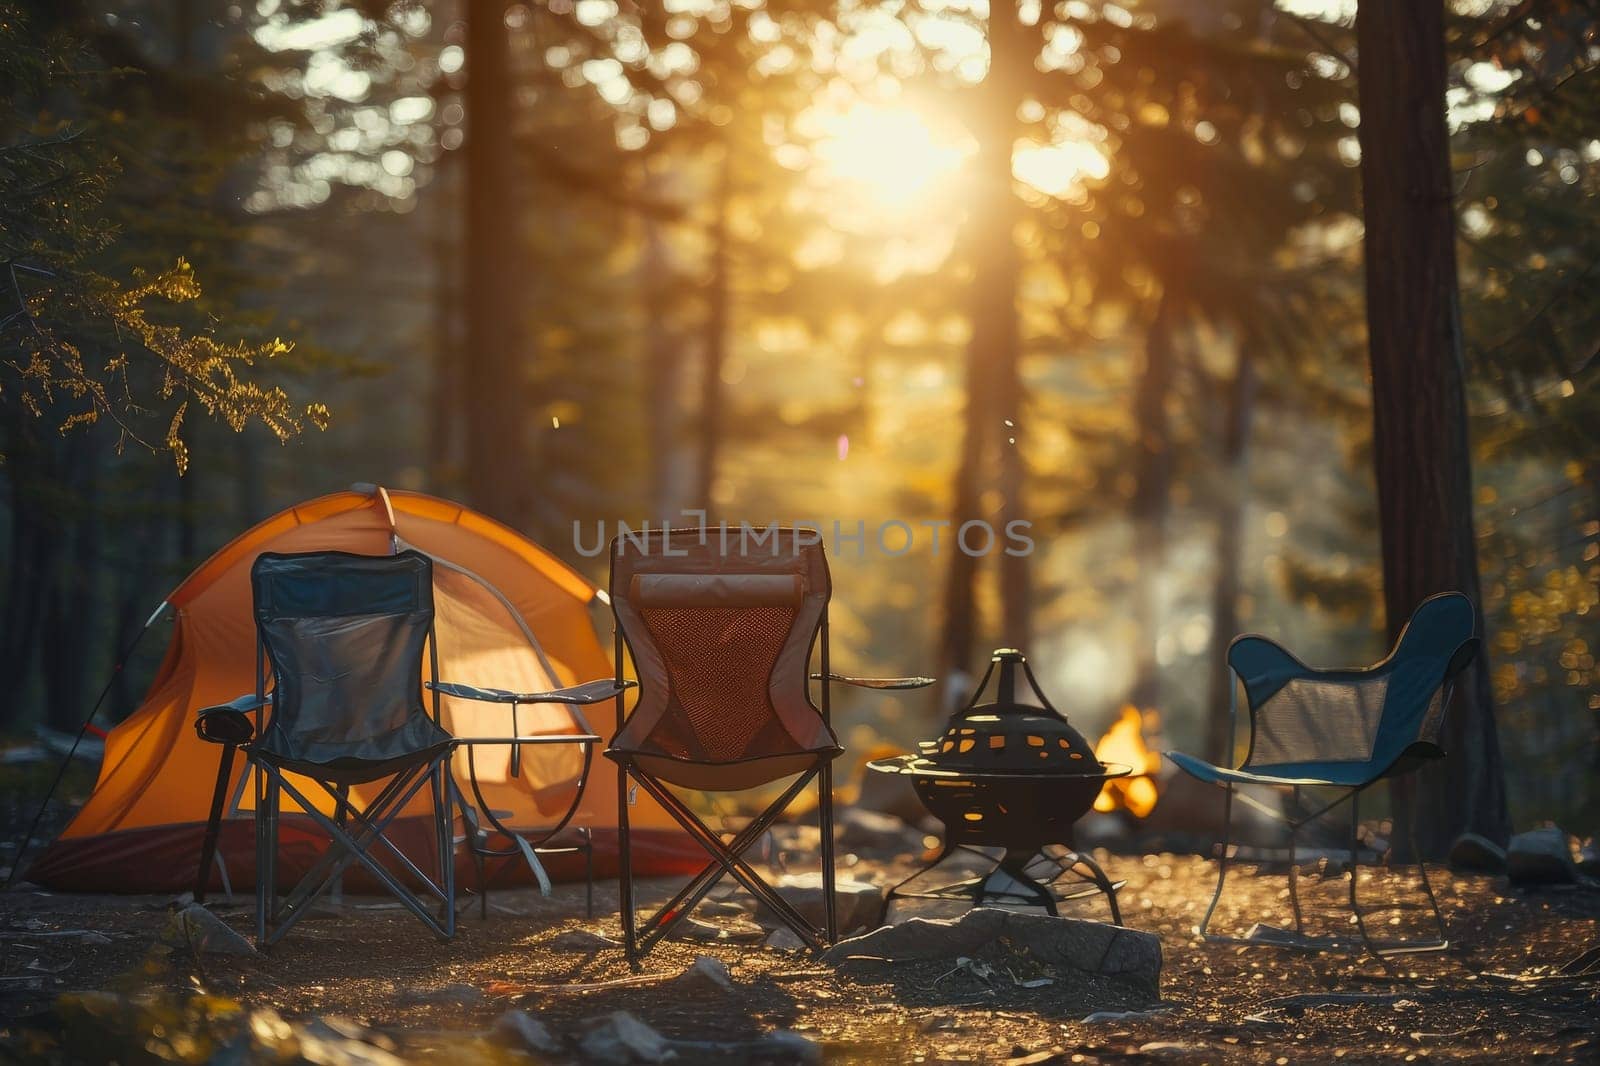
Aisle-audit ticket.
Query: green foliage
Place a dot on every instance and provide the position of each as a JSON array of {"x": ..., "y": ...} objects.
[{"x": 81, "y": 344}]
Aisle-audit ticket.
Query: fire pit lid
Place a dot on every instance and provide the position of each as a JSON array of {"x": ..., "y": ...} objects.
[{"x": 1006, "y": 736}]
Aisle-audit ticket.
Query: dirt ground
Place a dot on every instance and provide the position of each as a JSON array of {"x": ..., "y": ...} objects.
[{"x": 1494, "y": 997}]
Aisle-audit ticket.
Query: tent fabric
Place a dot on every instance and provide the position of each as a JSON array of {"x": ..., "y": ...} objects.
[{"x": 508, "y": 615}]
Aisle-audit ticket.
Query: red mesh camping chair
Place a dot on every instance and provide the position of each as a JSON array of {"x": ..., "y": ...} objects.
[{"x": 721, "y": 624}]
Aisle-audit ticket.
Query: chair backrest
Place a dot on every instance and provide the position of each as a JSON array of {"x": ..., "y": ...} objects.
[
  {"x": 1300, "y": 714},
  {"x": 720, "y": 622},
  {"x": 343, "y": 637}
]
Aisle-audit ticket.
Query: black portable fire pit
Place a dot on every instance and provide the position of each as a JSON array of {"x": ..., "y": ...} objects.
[{"x": 1015, "y": 777}]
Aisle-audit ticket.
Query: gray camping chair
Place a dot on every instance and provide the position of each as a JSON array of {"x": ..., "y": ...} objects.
[
  {"x": 1344, "y": 730},
  {"x": 342, "y": 637}
]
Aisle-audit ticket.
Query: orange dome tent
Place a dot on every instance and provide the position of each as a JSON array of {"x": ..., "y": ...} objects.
[{"x": 509, "y": 615}]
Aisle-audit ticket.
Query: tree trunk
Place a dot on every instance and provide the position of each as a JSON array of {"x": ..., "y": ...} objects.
[
  {"x": 663, "y": 368},
  {"x": 1152, "y": 489},
  {"x": 1232, "y": 499},
  {"x": 444, "y": 419},
  {"x": 67, "y": 653},
  {"x": 499, "y": 467},
  {"x": 36, "y": 544},
  {"x": 1420, "y": 446},
  {"x": 714, "y": 347},
  {"x": 993, "y": 382}
]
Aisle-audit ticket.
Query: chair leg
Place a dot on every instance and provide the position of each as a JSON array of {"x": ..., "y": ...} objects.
[
  {"x": 447, "y": 863},
  {"x": 730, "y": 861},
  {"x": 341, "y": 816},
  {"x": 588, "y": 871},
  {"x": 1355, "y": 870},
  {"x": 1294, "y": 870},
  {"x": 1222, "y": 860},
  {"x": 630, "y": 944},
  {"x": 219, "y": 798},
  {"x": 264, "y": 847},
  {"x": 1422, "y": 869},
  {"x": 666, "y": 918},
  {"x": 373, "y": 822},
  {"x": 830, "y": 903},
  {"x": 267, "y": 862}
]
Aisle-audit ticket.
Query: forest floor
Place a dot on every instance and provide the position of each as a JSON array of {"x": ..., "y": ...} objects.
[{"x": 123, "y": 991}]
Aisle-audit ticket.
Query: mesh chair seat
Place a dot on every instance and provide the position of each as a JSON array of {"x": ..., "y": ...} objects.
[
  {"x": 356, "y": 771},
  {"x": 725, "y": 777}
]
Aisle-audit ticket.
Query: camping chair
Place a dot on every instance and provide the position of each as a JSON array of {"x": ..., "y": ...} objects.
[
  {"x": 721, "y": 625},
  {"x": 343, "y": 637},
  {"x": 1344, "y": 730}
]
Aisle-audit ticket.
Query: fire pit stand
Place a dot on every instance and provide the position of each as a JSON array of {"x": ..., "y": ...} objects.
[
  {"x": 1012, "y": 777},
  {"x": 1042, "y": 877}
]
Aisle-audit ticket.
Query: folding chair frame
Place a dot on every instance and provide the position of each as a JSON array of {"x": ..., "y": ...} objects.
[
  {"x": 478, "y": 847},
  {"x": 344, "y": 849},
  {"x": 726, "y": 858},
  {"x": 1380, "y": 948}
]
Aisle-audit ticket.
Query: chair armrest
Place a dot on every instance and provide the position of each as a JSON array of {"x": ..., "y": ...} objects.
[
  {"x": 581, "y": 695},
  {"x": 536, "y": 738},
  {"x": 877, "y": 682},
  {"x": 229, "y": 723}
]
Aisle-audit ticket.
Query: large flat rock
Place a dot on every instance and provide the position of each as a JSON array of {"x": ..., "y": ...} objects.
[
  {"x": 856, "y": 903},
  {"x": 1541, "y": 857},
  {"x": 1106, "y": 964}
]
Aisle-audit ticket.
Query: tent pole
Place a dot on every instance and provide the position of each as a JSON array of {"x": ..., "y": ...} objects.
[{"x": 66, "y": 760}]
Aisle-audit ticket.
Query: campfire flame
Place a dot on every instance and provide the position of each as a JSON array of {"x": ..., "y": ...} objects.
[{"x": 1124, "y": 743}]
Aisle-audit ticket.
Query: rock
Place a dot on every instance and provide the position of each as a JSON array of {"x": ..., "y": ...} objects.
[
  {"x": 1069, "y": 947},
  {"x": 453, "y": 995},
  {"x": 856, "y": 903},
  {"x": 1541, "y": 857},
  {"x": 705, "y": 973},
  {"x": 1477, "y": 854},
  {"x": 725, "y": 932},
  {"x": 334, "y": 1026},
  {"x": 519, "y": 1029},
  {"x": 196, "y": 927},
  {"x": 1101, "y": 1017},
  {"x": 784, "y": 939},
  {"x": 723, "y": 908},
  {"x": 1173, "y": 1049},
  {"x": 622, "y": 1038},
  {"x": 786, "y": 1045},
  {"x": 576, "y": 940},
  {"x": 1333, "y": 864},
  {"x": 334, "y": 1050},
  {"x": 329, "y": 1041},
  {"x": 875, "y": 832}
]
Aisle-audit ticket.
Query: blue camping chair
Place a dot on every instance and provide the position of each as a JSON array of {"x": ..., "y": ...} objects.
[{"x": 1345, "y": 730}]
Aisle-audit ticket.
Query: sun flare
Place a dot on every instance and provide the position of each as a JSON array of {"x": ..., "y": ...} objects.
[
  {"x": 888, "y": 156},
  {"x": 896, "y": 160}
]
